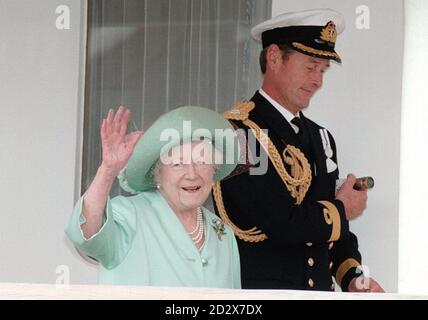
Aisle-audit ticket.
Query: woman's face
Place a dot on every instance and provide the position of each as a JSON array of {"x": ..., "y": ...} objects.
[{"x": 186, "y": 178}]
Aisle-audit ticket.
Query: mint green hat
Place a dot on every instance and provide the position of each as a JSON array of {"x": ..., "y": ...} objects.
[{"x": 181, "y": 125}]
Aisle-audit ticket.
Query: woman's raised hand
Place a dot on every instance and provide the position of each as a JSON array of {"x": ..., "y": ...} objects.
[{"x": 117, "y": 147}]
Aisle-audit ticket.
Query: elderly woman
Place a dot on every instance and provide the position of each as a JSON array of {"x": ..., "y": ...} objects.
[{"x": 161, "y": 236}]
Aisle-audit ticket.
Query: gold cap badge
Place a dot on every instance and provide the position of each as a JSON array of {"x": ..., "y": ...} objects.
[{"x": 328, "y": 33}]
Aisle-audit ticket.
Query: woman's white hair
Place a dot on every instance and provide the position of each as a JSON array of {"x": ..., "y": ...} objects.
[{"x": 155, "y": 171}]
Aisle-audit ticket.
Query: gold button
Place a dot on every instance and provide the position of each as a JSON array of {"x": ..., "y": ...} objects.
[
  {"x": 311, "y": 282},
  {"x": 310, "y": 262},
  {"x": 333, "y": 286},
  {"x": 309, "y": 244},
  {"x": 330, "y": 246},
  {"x": 330, "y": 265}
]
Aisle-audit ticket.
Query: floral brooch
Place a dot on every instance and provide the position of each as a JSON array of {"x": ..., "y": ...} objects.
[{"x": 219, "y": 228}]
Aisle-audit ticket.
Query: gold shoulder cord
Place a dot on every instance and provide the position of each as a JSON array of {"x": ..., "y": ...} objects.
[{"x": 297, "y": 183}]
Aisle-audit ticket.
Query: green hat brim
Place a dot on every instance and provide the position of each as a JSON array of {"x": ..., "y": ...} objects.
[{"x": 172, "y": 129}]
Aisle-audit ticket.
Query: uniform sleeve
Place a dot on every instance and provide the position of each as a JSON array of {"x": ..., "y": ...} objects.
[
  {"x": 346, "y": 261},
  {"x": 112, "y": 242},
  {"x": 264, "y": 203},
  {"x": 345, "y": 255}
]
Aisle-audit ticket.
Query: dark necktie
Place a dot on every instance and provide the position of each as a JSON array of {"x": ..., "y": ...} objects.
[{"x": 303, "y": 136}]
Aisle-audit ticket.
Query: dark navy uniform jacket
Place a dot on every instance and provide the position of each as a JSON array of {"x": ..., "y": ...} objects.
[{"x": 306, "y": 244}]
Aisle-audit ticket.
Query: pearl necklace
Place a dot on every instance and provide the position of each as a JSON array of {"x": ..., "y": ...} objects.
[{"x": 197, "y": 234}]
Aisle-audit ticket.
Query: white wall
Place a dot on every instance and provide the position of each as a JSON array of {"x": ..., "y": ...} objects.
[
  {"x": 361, "y": 104},
  {"x": 40, "y": 88},
  {"x": 414, "y": 152}
]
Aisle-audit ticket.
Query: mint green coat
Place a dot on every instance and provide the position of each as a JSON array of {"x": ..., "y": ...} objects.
[{"x": 142, "y": 242}]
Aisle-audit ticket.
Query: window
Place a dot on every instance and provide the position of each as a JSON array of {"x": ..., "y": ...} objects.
[{"x": 155, "y": 55}]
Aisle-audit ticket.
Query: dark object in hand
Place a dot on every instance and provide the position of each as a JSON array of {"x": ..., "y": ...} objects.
[
  {"x": 361, "y": 184},
  {"x": 364, "y": 183}
]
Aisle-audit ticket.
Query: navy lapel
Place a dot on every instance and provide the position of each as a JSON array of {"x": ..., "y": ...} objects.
[
  {"x": 271, "y": 118},
  {"x": 318, "y": 153},
  {"x": 281, "y": 133},
  {"x": 323, "y": 184}
]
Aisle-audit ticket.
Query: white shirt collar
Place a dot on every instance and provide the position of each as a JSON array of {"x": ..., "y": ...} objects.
[{"x": 285, "y": 113}]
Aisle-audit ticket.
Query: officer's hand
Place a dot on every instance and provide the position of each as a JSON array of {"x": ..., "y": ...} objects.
[
  {"x": 364, "y": 284},
  {"x": 354, "y": 201}
]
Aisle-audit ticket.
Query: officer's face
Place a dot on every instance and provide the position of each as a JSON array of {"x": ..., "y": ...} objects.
[{"x": 297, "y": 79}]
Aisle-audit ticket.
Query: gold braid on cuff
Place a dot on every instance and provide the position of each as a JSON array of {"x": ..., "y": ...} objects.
[
  {"x": 332, "y": 217},
  {"x": 344, "y": 268}
]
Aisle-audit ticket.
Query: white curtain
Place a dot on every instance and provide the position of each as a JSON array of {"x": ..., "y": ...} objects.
[{"x": 155, "y": 55}]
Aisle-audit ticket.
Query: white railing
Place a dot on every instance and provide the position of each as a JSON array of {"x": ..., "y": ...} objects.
[{"x": 51, "y": 291}]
